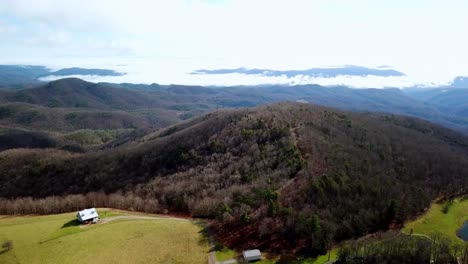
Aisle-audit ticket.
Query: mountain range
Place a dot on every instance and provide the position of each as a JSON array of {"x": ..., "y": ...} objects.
[
  {"x": 17, "y": 76},
  {"x": 296, "y": 168},
  {"x": 155, "y": 106},
  {"x": 284, "y": 176},
  {"x": 348, "y": 70}
]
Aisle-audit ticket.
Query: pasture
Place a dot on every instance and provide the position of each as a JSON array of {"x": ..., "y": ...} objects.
[{"x": 58, "y": 239}]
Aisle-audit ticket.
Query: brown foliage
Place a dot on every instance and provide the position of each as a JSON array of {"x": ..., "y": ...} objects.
[{"x": 284, "y": 174}]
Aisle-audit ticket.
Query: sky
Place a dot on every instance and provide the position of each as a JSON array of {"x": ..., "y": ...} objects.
[{"x": 163, "y": 41}]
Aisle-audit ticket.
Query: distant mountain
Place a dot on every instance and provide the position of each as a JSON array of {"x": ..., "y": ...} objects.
[
  {"x": 460, "y": 82},
  {"x": 20, "y": 74},
  {"x": 452, "y": 100},
  {"x": 73, "y": 92},
  {"x": 348, "y": 70},
  {"x": 370, "y": 100},
  {"x": 173, "y": 103},
  {"x": 12, "y": 76},
  {"x": 81, "y": 71}
]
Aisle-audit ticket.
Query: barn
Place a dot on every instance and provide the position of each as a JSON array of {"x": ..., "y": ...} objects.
[
  {"x": 87, "y": 214},
  {"x": 252, "y": 255}
]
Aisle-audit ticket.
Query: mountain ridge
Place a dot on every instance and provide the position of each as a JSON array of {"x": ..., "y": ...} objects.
[
  {"x": 289, "y": 174},
  {"x": 182, "y": 102},
  {"x": 347, "y": 70}
]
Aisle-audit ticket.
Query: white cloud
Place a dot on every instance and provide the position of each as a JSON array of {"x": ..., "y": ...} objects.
[{"x": 7, "y": 29}]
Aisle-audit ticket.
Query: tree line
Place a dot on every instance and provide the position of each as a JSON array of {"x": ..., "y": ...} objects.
[{"x": 399, "y": 248}]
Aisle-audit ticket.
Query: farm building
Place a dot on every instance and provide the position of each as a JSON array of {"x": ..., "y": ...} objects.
[
  {"x": 252, "y": 255},
  {"x": 87, "y": 214}
]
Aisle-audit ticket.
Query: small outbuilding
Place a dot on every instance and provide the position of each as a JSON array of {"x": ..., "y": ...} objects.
[
  {"x": 87, "y": 215},
  {"x": 252, "y": 255}
]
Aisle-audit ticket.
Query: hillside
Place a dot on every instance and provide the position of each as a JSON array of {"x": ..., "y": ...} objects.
[
  {"x": 163, "y": 105},
  {"x": 73, "y": 92},
  {"x": 71, "y": 104},
  {"x": 453, "y": 100},
  {"x": 19, "y": 138},
  {"x": 393, "y": 101},
  {"x": 283, "y": 176},
  {"x": 35, "y": 117}
]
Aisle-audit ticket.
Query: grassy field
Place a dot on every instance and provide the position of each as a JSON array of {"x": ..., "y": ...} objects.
[
  {"x": 434, "y": 220},
  {"x": 57, "y": 239},
  {"x": 226, "y": 253}
]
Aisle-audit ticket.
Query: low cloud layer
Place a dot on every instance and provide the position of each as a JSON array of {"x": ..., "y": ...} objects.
[
  {"x": 167, "y": 74},
  {"x": 423, "y": 39}
]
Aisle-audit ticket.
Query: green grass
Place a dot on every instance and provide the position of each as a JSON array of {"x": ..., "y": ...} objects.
[
  {"x": 318, "y": 260},
  {"x": 434, "y": 220},
  {"x": 323, "y": 258},
  {"x": 73, "y": 226},
  {"x": 225, "y": 254},
  {"x": 56, "y": 239}
]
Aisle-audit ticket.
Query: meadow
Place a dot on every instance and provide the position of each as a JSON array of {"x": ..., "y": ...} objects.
[
  {"x": 435, "y": 220},
  {"x": 223, "y": 254},
  {"x": 57, "y": 239}
]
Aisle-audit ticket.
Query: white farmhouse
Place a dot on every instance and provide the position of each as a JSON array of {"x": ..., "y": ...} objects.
[
  {"x": 252, "y": 255},
  {"x": 88, "y": 214}
]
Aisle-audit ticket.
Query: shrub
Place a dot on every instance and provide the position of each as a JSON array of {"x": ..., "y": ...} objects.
[
  {"x": 7, "y": 245},
  {"x": 446, "y": 206}
]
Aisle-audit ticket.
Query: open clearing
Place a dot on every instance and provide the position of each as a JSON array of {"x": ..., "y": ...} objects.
[
  {"x": 57, "y": 239},
  {"x": 434, "y": 220}
]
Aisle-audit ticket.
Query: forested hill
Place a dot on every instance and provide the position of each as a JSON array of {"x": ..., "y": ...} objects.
[
  {"x": 156, "y": 106},
  {"x": 283, "y": 176},
  {"x": 74, "y": 92}
]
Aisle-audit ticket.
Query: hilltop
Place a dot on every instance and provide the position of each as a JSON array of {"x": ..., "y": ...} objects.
[
  {"x": 283, "y": 176},
  {"x": 72, "y": 104}
]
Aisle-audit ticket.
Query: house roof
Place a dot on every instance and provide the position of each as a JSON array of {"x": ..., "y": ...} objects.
[
  {"x": 251, "y": 253},
  {"x": 87, "y": 214}
]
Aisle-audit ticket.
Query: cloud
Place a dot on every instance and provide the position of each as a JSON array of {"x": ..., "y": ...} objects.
[
  {"x": 6, "y": 28},
  {"x": 421, "y": 38}
]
